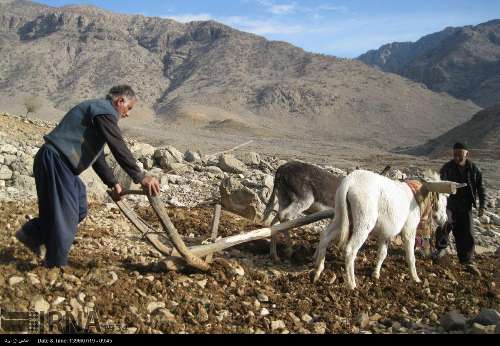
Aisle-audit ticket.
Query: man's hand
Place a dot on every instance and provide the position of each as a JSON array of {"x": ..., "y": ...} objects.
[
  {"x": 480, "y": 212},
  {"x": 151, "y": 185},
  {"x": 116, "y": 193}
]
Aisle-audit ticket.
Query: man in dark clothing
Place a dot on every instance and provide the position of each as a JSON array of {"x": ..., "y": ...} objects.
[
  {"x": 461, "y": 170},
  {"x": 76, "y": 144}
]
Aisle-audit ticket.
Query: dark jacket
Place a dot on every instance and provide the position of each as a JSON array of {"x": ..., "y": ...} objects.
[
  {"x": 466, "y": 197},
  {"x": 76, "y": 136},
  {"x": 81, "y": 136}
]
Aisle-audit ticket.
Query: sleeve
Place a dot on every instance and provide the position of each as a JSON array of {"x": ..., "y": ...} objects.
[
  {"x": 111, "y": 132},
  {"x": 480, "y": 189},
  {"x": 444, "y": 172},
  {"x": 104, "y": 171}
]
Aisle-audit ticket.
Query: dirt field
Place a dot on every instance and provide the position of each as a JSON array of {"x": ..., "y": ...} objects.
[{"x": 245, "y": 293}]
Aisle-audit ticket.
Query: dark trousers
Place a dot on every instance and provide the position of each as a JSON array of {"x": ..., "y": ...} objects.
[
  {"x": 62, "y": 204},
  {"x": 462, "y": 231}
]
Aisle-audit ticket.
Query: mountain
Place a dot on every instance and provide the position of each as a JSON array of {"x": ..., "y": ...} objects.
[
  {"x": 208, "y": 75},
  {"x": 481, "y": 134},
  {"x": 463, "y": 61}
]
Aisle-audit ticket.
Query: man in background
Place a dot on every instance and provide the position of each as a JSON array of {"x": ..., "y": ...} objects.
[{"x": 461, "y": 170}]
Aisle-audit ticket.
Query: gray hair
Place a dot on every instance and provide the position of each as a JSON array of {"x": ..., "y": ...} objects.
[{"x": 118, "y": 91}]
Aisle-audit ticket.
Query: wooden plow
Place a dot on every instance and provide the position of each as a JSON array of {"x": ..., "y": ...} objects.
[{"x": 200, "y": 256}]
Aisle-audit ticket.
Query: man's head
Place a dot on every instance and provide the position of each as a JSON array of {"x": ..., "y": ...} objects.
[
  {"x": 460, "y": 154},
  {"x": 123, "y": 99}
]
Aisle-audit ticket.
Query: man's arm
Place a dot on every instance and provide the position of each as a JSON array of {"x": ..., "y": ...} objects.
[
  {"x": 108, "y": 126},
  {"x": 104, "y": 172}
]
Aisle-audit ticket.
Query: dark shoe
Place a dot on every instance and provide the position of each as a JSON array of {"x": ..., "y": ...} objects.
[
  {"x": 438, "y": 254},
  {"x": 34, "y": 246},
  {"x": 471, "y": 268}
]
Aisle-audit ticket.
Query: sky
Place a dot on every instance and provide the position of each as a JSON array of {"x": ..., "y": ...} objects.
[{"x": 344, "y": 28}]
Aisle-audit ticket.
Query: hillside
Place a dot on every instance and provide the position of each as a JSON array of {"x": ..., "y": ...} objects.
[
  {"x": 481, "y": 134},
  {"x": 204, "y": 73},
  {"x": 462, "y": 61}
]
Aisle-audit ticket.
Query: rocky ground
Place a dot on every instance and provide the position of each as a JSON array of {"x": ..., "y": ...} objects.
[{"x": 120, "y": 277}]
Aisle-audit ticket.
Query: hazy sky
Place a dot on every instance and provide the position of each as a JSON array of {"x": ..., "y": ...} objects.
[{"x": 345, "y": 28}]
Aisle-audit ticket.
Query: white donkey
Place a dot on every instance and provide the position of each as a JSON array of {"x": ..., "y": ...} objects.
[{"x": 386, "y": 207}]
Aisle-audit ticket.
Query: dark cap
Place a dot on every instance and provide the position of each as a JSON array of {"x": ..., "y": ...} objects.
[{"x": 460, "y": 146}]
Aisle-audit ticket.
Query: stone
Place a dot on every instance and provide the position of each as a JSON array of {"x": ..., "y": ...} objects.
[
  {"x": 268, "y": 181},
  {"x": 71, "y": 278},
  {"x": 39, "y": 304},
  {"x": 149, "y": 278},
  {"x": 485, "y": 220},
  {"x": 142, "y": 150},
  {"x": 262, "y": 298},
  {"x": 249, "y": 158},
  {"x": 494, "y": 219},
  {"x": 319, "y": 328},
  {"x": 480, "y": 250},
  {"x": 179, "y": 168},
  {"x": 8, "y": 149},
  {"x": 96, "y": 190},
  {"x": 307, "y": 318},
  {"x": 453, "y": 321},
  {"x": 153, "y": 306},
  {"x": 237, "y": 269},
  {"x": 487, "y": 317},
  {"x": 276, "y": 325},
  {"x": 75, "y": 305},
  {"x": 163, "y": 158},
  {"x": 58, "y": 301},
  {"x": 52, "y": 276},
  {"x": 172, "y": 264},
  {"x": 397, "y": 241},
  {"x": 23, "y": 165},
  {"x": 477, "y": 328},
  {"x": 15, "y": 280},
  {"x": 214, "y": 170},
  {"x": 33, "y": 279},
  {"x": 294, "y": 318},
  {"x": 202, "y": 283},
  {"x": 336, "y": 171},
  {"x": 26, "y": 184},
  {"x": 241, "y": 200},
  {"x": 363, "y": 320},
  {"x": 169, "y": 316},
  {"x": 192, "y": 156},
  {"x": 81, "y": 298},
  {"x": 5, "y": 173},
  {"x": 175, "y": 153},
  {"x": 264, "y": 312},
  {"x": 114, "y": 278},
  {"x": 202, "y": 313},
  {"x": 230, "y": 164},
  {"x": 396, "y": 174},
  {"x": 147, "y": 163}
]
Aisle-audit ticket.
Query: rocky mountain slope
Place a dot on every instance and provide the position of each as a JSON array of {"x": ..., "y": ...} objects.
[
  {"x": 208, "y": 75},
  {"x": 482, "y": 135},
  {"x": 463, "y": 61}
]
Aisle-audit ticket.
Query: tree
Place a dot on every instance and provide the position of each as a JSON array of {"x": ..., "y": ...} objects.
[{"x": 32, "y": 104}]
